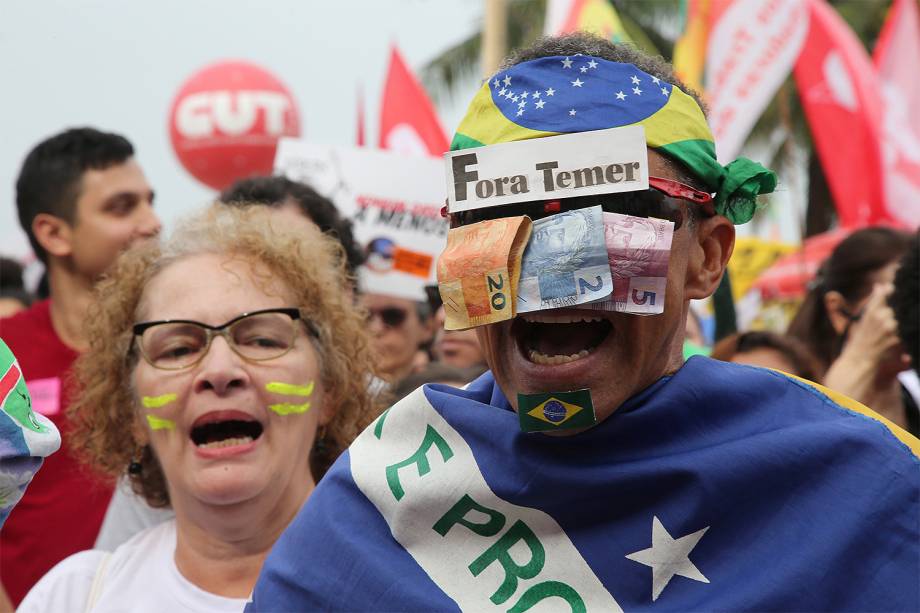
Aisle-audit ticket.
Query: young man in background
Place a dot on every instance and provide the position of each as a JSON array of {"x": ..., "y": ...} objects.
[{"x": 82, "y": 198}]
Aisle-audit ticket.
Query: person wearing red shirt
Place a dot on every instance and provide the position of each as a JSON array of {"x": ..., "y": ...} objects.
[{"x": 82, "y": 198}]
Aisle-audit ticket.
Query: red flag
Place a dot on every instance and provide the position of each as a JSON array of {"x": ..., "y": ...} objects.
[
  {"x": 896, "y": 55},
  {"x": 359, "y": 138},
  {"x": 840, "y": 93},
  {"x": 408, "y": 122}
]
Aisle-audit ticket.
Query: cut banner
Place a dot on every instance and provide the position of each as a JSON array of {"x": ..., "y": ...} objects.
[{"x": 394, "y": 202}]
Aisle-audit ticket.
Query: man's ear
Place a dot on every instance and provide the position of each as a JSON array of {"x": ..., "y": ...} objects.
[
  {"x": 54, "y": 234},
  {"x": 710, "y": 248}
]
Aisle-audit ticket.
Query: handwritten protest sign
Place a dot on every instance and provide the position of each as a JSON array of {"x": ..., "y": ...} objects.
[{"x": 394, "y": 202}]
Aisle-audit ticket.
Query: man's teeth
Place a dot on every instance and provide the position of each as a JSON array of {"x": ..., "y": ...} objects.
[
  {"x": 541, "y": 358},
  {"x": 549, "y": 318},
  {"x": 227, "y": 442}
]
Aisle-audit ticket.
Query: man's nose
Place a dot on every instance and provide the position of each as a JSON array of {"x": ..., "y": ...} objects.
[
  {"x": 375, "y": 325},
  {"x": 149, "y": 224}
]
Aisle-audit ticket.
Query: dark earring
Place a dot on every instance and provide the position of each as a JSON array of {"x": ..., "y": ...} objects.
[
  {"x": 319, "y": 446},
  {"x": 135, "y": 467}
]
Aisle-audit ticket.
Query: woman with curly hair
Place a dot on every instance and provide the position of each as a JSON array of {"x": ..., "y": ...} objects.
[{"x": 227, "y": 370}]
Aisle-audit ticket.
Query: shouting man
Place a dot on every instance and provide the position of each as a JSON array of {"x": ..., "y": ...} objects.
[{"x": 591, "y": 469}]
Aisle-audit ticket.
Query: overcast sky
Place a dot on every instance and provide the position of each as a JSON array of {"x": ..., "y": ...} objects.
[{"x": 116, "y": 65}]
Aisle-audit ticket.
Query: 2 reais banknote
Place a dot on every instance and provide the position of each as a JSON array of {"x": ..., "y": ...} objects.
[{"x": 565, "y": 263}]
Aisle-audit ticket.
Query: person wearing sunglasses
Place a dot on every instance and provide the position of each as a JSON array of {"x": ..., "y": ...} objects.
[
  {"x": 591, "y": 468},
  {"x": 399, "y": 328},
  {"x": 227, "y": 369}
]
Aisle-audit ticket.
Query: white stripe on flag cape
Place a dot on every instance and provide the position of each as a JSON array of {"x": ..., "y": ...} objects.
[{"x": 399, "y": 464}]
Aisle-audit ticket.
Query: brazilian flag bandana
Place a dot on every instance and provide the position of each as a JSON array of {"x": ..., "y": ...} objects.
[{"x": 557, "y": 95}]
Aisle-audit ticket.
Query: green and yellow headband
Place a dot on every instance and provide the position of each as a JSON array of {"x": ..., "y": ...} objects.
[{"x": 557, "y": 95}]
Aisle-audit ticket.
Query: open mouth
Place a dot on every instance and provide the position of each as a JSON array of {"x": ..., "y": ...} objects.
[
  {"x": 547, "y": 338},
  {"x": 220, "y": 432}
]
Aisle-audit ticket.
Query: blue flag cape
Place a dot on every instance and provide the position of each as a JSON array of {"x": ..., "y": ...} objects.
[{"x": 720, "y": 488}]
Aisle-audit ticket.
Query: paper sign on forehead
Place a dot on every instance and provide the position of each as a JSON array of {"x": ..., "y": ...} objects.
[
  {"x": 394, "y": 202},
  {"x": 583, "y": 164}
]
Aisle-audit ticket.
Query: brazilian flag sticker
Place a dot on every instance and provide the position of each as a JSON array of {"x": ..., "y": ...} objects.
[{"x": 556, "y": 411}]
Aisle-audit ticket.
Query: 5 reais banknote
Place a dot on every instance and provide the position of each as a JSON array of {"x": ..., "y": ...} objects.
[{"x": 638, "y": 249}]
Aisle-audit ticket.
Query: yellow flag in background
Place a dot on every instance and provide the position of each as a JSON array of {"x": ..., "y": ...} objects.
[
  {"x": 751, "y": 257},
  {"x": 595, "y": 16},
  {"x": 690, "y": 48}
]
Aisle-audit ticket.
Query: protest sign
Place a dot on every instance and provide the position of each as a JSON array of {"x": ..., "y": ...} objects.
[
  {"x": 394, "y": 202},
  {"x": 596, "y": 162}
]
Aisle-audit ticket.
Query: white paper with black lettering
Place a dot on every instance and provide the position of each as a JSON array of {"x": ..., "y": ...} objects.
[{"x": 565, "y": 166}]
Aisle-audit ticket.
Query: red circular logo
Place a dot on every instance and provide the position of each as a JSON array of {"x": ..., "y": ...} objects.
[{"x": 226, "y": 120}]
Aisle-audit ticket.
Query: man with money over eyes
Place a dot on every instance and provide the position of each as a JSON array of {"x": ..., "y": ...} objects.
[{"x": 591, "y": 469}]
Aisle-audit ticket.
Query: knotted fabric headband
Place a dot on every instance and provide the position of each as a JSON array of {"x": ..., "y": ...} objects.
[{"x": 557, "y": 95}]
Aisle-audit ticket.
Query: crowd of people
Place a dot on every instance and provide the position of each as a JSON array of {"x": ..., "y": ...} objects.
[{"x": 243, "y": 427}]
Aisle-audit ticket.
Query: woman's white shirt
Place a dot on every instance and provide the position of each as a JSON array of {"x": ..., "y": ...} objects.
[{"x": 140, "y": 575}]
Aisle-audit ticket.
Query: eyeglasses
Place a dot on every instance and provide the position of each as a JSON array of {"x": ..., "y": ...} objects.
[
  {"x": 661, "y": 201},
  {"x": 175, "y": 344},
  {"x": 391, "y": 317}
]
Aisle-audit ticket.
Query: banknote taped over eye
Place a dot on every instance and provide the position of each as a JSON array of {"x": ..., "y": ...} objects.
[
  {"x": 565, "y": 263},
  {"x": 478, "y": 271},
  {"x": 584, "y": 258}
]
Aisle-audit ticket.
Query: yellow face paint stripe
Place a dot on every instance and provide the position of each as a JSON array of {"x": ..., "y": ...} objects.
[
  {"x": 158, "y": 423},
  {"x": 848, "y": 403},
  {"x": 155, "y": 402},
  {"x": 286, "y": 408},
  {"x": 289, "y": 389}
]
